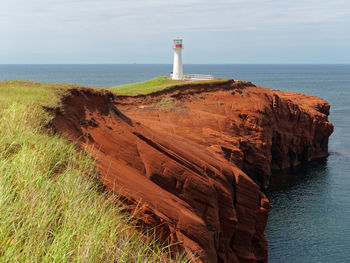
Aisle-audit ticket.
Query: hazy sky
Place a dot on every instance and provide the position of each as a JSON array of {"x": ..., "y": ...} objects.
[{"x": 135, "y": 31}]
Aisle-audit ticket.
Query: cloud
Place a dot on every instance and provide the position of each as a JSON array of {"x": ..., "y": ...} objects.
[
  {"x": 187, "y": 15},
  {"x": 78, "y": 25}
]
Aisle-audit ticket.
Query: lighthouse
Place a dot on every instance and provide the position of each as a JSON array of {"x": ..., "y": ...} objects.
[{"x": 178, "y": 73}]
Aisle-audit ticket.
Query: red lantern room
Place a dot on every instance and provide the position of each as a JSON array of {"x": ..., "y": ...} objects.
[{"x": 178, "y": 43}]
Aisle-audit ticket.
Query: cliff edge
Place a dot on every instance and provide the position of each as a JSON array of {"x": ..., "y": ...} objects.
[{"x": 187, "y": 157}]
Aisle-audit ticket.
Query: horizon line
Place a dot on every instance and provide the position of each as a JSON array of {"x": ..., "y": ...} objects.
[{"x": 172, "y": 64}]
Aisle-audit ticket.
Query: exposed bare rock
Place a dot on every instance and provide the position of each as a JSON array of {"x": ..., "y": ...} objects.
[
  {"x": 256, "y": 128},
  {"x": 180, "y": 155}
]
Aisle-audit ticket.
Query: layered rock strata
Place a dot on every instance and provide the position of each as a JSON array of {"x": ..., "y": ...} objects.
[
  {"x": 179, "y": 155},
  {"x": 256, "y": 128}
]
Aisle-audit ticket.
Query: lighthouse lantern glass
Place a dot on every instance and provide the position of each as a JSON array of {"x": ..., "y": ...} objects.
[{"x": 177, "y": 43}]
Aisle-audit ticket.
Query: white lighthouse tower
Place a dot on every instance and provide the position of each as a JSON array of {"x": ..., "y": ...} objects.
[{"x": 178, "y": 73}]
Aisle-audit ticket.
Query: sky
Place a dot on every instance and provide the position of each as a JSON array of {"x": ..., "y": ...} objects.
[{"x": 141, "y": 31}]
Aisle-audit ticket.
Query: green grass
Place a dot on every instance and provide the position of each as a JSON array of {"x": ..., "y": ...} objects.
[
  {"x": 51, "y": 207},
  {"x": 144, "y": 87},
  {"x": 156, "y": 84},
  {"x": 165, "y": 104}
]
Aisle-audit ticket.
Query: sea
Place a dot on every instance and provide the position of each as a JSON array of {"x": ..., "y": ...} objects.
[{"x": 310, "y": 218}]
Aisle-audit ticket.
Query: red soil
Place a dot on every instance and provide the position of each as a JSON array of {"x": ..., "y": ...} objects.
[{"x": 178, "y": 154}]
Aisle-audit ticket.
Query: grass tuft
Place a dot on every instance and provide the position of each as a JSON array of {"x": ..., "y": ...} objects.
[{"x": 165, "y": 104}]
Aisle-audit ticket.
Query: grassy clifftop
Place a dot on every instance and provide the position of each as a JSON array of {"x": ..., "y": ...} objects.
[
  {"x": 153, "y": 85},
  {"x": 51, "y": 207}
]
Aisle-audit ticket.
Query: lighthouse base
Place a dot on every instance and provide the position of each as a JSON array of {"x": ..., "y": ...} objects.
[{"x": 176, "y": 77}]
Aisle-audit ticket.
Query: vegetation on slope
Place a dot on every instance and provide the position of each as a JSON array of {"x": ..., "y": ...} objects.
[
  {"x": 152, "y": 85},
  {"x": 51, "y": 207}
]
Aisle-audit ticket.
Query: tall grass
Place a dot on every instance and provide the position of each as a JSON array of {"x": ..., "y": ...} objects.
[{"x": 51, "y": 208}]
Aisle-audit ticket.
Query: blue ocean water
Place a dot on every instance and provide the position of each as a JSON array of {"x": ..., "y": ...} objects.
[{"x": 310, "y": 219}]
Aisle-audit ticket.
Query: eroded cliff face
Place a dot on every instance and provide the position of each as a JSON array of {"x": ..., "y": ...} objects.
[
  {"x": 256, "y": 128},
  {"x": 179, "y": 155}
]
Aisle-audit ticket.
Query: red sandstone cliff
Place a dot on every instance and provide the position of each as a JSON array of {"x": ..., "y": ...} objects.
[
  {"x": 256, "y": 128},
  {"x": 179, "y": 155}
]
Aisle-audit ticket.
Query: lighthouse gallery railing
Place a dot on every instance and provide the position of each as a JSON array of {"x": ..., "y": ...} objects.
[{"x": 196, "y": 77}]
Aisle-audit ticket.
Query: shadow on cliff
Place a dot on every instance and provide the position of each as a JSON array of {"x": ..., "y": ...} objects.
[
  {"x": 194, "y": 158},
  {"x": 289, "y": 177},
  {"x": 192, "y": 196}
]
